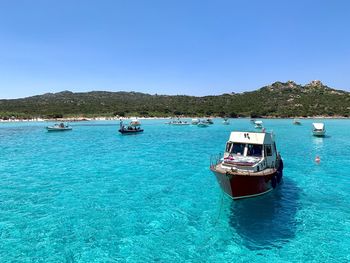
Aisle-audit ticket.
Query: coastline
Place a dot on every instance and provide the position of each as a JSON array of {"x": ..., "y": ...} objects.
[{"x": 81, "y": 119}]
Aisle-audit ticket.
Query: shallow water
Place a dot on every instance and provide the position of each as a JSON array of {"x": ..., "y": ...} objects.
[{"x": 92, "y": 195}]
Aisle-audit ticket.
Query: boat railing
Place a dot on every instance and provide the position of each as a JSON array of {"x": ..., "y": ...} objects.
[{"x": 215, "y": 159}]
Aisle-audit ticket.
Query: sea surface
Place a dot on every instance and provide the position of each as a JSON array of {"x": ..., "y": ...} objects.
[{"x": 93, "y": 195}]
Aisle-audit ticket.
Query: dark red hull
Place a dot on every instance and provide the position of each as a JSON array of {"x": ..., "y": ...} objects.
[{"x": 243, "y": 186}]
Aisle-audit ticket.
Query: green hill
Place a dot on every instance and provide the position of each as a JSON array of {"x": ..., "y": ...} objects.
[{"x": 276, "y": 100}]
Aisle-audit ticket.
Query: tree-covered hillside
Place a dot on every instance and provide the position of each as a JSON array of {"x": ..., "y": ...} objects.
[{"x": 277, "y": 100}]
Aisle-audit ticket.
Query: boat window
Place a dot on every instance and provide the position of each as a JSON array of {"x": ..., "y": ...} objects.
[
  {"x": 268, "y": 150},
  {"x": 228, "y": 146},
  {"x": 254, "y": 150},
  {"x": 238, "y": 148}
]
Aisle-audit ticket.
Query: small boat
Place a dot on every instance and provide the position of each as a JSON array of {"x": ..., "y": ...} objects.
[
  {"x": 296, "y": 122},
  {"x": 318, "y": 129},
  {"x": 203, "y": 124},
  {"x": 250, "y": 165},
  {"x": 209, "y": 121},
  {"x": 195, "y": 121},
  {"x": 59, "y": 127},
  {"x": 258, "y": 124},
  {"x": 129, "y": 129},
  {"x": 226, "y": 121},
  {"x": 178, "y": 122}
]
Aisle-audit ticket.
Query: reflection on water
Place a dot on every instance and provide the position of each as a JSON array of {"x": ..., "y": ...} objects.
[{"x": 269, "y": 220}]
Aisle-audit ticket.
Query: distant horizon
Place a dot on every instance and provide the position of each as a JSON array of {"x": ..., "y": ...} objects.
[
  {"x": 163, "y": 94},
  {"x": 170, "y": 47}
]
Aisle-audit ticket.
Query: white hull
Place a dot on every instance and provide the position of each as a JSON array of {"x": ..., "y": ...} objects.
[{"x": 319, "y": 133}]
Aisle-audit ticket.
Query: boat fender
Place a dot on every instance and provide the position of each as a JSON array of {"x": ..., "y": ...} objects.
[
  {"x": 279, "y": 176},
  {"x": 273, "y": 182},
  {"x": 280, "y": 167}
]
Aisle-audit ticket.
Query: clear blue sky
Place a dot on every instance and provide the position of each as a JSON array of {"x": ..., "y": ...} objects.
[{"x": 171, "y": 46}]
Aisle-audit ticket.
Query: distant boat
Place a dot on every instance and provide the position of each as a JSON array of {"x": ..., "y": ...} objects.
[
  {"x": 59, "y": 127},
  {"x": 258, "y": 124},
  {"x": 226, "y": 121},
  {"x": 203, "y": 124},
  {"x": 318, "y": 129},
  {"x": 130, "y": 129},
  {"x": 178, "y": 122},
  {"x": 195, "y": 121},
  {"x": 209, "y": 121},
  {"x": 296, "y": 122}
]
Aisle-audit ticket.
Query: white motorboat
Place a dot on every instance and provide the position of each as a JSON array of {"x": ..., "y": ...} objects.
[
  {"x": 209, "y": 121},
  {"x": 318, "y": 129},
  {"x": 59, "y": 127},
  {"x": 195, "y": 121},
  {"x": 203, "y": 124},
  {"x": 178, "y": 122},
  {"x": 226, "y": 121},
  {"x": 258, "y": 124},
  {"x": 296, "y": 122}
]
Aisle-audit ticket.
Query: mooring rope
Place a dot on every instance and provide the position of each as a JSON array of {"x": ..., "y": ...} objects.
[{"x": 205, "y": 243}]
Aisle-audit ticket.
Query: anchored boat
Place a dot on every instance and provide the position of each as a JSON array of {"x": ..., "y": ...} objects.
[
  {"x": 318, "y": 129},
  {"x": 178, "y": 122},
  {"x": 130, "y": 129},
  {"x": 250, "y": 166},
  {"x": 209, "y": 121},
  {"x": 59, "y": 127},
  {"x": 296, "y": 122},
  {"x": 195, "y": 121},
  {"x": 203, "y": 124},
  {"x": 258, "y": 124}
]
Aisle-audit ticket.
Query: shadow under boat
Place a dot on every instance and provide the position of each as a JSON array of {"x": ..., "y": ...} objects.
[{"x": 269, "y": 220}]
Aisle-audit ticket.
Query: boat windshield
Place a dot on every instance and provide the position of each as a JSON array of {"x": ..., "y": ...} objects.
[
  {"x": 254, "y": 150},
  {"x": 238, "y": 148}
]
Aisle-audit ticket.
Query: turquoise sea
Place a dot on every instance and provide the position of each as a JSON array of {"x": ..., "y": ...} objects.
[{"x": 92, "y": 195}]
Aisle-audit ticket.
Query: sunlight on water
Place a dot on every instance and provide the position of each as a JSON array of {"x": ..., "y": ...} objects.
[{"x": 92, "y": 195}]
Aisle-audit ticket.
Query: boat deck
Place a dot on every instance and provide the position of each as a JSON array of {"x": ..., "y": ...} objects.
[{"x": 218, "y": 168}]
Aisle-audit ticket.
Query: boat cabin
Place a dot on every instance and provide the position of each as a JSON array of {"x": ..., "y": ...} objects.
[
  {"x": 251, "y": 151},
  {"x": 318, "y": 126}
]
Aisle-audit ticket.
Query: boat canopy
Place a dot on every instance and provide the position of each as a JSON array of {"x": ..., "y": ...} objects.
[
  {"x": 318, "y": 126},
  {"x": 258, "y": 122},
  {"x": 251, "y": 137}
]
